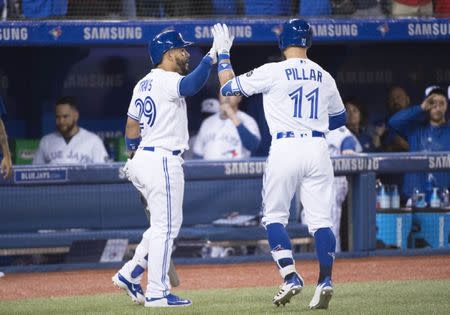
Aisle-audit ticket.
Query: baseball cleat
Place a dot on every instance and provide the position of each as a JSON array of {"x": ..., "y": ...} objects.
[
  {"x": 322, "y": 295},
  {"x": 170, "y": 300},
  {"x": 288, "y": 289},
  {"x": 133, "y": 290}
]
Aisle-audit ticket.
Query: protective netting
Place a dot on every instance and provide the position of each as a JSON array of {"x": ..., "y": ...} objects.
[{"x": 126, "y": 9}]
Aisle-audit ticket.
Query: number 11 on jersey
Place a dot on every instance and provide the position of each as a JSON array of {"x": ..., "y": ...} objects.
[{"x": 312, "y": 97}]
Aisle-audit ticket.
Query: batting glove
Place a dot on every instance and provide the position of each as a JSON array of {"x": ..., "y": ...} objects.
[
  {"x": 222, "y": 38},
  {"x": 213, "y": 53}
]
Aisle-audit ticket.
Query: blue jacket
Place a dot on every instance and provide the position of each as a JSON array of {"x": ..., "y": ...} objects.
[{"x": 413, "y": 124}]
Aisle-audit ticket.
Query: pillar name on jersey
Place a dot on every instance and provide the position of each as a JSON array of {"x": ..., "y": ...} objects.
[
  {"x": 335, "y": 30},
  {"x": 14, "y": 33},
  {"x": 244, "y": 168},
  {"x": 238, "y": 31},
  {"x": 428, "y": 29},
  {"x": 302, "y": 74},
  {"x": 439, "y": 162},
  {"x": 112, "y": 32}
]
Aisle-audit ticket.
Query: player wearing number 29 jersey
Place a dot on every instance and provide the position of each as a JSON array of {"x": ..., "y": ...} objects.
[
  {"x": 301, "y": 103},
  {"x": 160, "y": 110},
  {"x": 156, "y": 135}
]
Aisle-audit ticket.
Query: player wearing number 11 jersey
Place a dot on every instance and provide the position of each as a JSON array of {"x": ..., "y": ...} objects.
[{"x": 301, "y": 103}]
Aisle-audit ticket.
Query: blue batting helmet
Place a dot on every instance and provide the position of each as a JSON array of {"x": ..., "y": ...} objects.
[
  {"x": 295, "y": 33},
  {"x": 163, "y": 42}
]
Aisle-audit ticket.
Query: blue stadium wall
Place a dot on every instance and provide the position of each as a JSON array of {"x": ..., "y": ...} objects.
[{"x": 100, "y": 62}]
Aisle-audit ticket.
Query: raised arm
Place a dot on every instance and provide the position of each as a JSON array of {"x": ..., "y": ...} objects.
[
  {"x": 408, "y": 119},
  {"x": 194, "y": 81},
  {"x": 223, "y": 41}
]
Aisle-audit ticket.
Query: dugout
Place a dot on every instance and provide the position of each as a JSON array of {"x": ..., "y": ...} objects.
[{"x": 42, "y": 60}]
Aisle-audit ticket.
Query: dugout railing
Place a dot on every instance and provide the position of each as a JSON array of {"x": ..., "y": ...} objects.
[{"x": 50, "y": 207}]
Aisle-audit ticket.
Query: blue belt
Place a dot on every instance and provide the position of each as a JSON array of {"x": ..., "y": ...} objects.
[
  {"x": 291, "y": 134},
  {"x": 176, "y": 152}
]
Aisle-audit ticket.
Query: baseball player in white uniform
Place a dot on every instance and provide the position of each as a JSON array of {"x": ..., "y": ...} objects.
[
  {"x": 228, "y": 134},
  {"x": 70, "y": 144},
  {"x": 156, "y": 136},
  {"x": 340, "y": 141},
  {"x": 301, "y": 103}
]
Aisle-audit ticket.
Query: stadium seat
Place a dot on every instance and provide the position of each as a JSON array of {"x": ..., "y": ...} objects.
[{"x": 266, "y": 8}]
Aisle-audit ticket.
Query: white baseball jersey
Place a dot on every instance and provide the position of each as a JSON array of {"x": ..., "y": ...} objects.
[
  {"x": 158, "y": 173},
  {"x": 160, "y": 110},
  {"x": 335, "y": 139},
  {"x": 298, "y": 96},
  {"x": 84, "y": 148},
  {"x": 218, "y": 139}
]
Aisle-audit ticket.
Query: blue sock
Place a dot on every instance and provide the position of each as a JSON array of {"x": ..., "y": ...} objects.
[
  {"x": 278, "y": 237},
  {"x": 279, "y": 240},
  {"x": 137, "y": 271},
  {"x": 325, "y": 248}
]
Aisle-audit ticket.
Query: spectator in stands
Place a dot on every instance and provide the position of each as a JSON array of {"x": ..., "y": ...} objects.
[
  {"x": 70, "y": 144},
  {"x": 426, "y": 129},
  {"x": 442, "y": 8},
  {"x": 6, "y": 163},
  {"x": 356, "y": 123},
  {"x": 228, "y": 134},
  {"x": 412, "y": 7},
  {"x": 368, "y": 8},
  {"x": 356, "y": 7},
  {"x": 315, "y": 8},
  {"x": 44, "y": 8}
]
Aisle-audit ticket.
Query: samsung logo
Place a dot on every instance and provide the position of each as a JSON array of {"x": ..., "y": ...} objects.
[
  {"x": 238, "y": 31},
  {"x": 112, "y": 33},
  {"x": 335, "y": 30},
  {"x": 428, "y": 29},
  {"x": 244, "y": 168},
  {"x": 355, "y": 164},
  {"x": 439, "y": 161},
  {"x": 13, "y": 33}
]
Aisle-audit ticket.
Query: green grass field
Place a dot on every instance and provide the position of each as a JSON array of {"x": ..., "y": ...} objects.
[{"x": 394, "y": 297}]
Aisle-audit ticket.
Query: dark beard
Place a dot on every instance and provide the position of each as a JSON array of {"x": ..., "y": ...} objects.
[
  {"x": 68, "y": 130},
  {"x": 182, "y": 66}
]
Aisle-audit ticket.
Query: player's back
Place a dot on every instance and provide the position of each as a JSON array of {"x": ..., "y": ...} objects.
[
  {"x": 160, "y": 110},
  {"x": 299, "y": 95}
]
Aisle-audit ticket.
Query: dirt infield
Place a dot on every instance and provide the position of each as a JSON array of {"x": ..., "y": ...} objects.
[{"x": 87, "y": 282}]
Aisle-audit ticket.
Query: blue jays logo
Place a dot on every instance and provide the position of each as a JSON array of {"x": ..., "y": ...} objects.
[
  {"x": 277, "y": 30},
  {"x": 332, "y": 254},
  {"x": 383, "y": 29},
  {"x": 230, "y": 154},
  {"x": 56, "y": 32}
]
